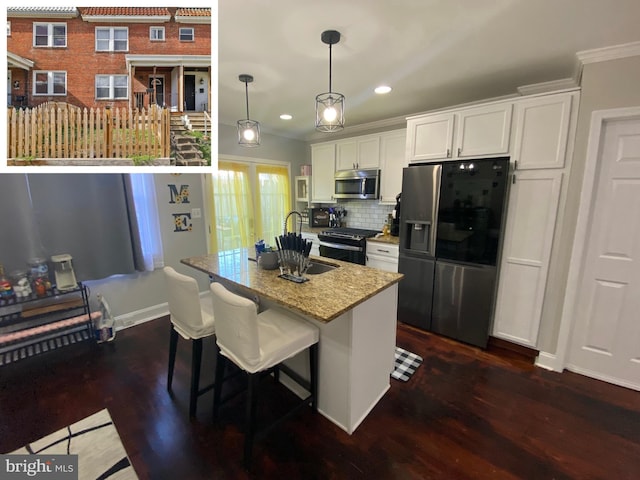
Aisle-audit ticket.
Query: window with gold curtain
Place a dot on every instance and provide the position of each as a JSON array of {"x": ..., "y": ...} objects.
[
  {"x": 232, "y": 207},
  {"x": 273, "y": 201},
  {"x": 250, "y": 202}
]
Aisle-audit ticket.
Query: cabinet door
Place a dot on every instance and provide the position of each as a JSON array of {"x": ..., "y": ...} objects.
[
  {"x": 483, "y": 130},
  {"x": 302, "y": 189},
  {"x": 323, "y": 157},
  {"x": 368, "y": 152},
  {"x": 430, "y": 137},
  {"x": 346, "y": 154},
  {"x": 382, "y": 263},
  {"x": 392, "y": 161},
  {"x": 531, "y": 219},
  {"x": 541, "y": 132}
]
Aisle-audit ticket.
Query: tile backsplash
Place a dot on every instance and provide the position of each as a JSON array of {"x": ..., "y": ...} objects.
[{"x": 365, "y": 214}]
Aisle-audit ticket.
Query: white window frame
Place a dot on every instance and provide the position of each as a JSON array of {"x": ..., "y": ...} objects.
[
  {"x": 111, "y": 39},
  {"x": 50, "y": 26},
  {"x": 161, "y": 29},
  {"x": 8, "y": 28},
  {"x": 193, "y": 34},
  {"x": 50, "y": 83},
  {"x": 112, "y": 88}
]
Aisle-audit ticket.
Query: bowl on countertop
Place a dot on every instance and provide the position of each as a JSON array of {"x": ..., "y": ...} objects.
[{"x": 268, "y": 260}]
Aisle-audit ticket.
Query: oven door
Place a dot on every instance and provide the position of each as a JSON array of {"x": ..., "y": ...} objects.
[{"x": 339, "y": 251}]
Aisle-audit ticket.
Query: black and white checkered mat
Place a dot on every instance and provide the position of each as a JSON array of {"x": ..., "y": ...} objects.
[{"x": 406, "y": 364}]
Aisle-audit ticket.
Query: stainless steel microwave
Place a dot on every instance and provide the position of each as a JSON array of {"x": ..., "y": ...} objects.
[{"x": 362, "y": 184}]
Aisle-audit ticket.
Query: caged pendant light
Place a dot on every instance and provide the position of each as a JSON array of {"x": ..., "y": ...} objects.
[
  {"x": 330, "y": 105},
  {"x": 248, "y": 130}
]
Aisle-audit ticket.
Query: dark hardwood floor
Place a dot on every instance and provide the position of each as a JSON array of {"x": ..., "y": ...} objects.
[{"x": 465, "y": 414}]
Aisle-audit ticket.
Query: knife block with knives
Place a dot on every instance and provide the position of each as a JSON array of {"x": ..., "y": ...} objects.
[{"x": 293, "y": 256}]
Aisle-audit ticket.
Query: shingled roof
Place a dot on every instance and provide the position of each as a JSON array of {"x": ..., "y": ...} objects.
[
  {"x": 193, "y": 12},
  {"x": 125, "y": 11}
]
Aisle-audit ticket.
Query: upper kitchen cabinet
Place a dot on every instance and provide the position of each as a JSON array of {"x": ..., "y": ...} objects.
[
  {"x": 358, "y": 153},
  {"x": 541, "y": 131},
  {"x": 429, "y": 137},
  {"x": 483, "y": 130},
  {"x": 464, "y": 133},
  {"x": 303, "y": 189},
  {"x": 392, "y": 161},
  {"x": 323, "y": 164}
]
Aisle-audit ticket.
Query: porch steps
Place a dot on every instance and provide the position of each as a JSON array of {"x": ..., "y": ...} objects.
[
  {"x": 184, "y": 146},
  {"x": 197, "y": 121}
]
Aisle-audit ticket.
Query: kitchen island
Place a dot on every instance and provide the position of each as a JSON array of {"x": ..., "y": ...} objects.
[{"x": 353, "y": 306}]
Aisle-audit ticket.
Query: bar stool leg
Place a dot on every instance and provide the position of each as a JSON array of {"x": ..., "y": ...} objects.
[
  {"x": 221, "y": 363},
  {"x": 196, "y": 359},
  {"x": 173, "y": 345},
  {"x": 252, "y": 399}
]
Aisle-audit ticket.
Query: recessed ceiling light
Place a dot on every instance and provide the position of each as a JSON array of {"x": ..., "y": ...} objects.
[
  {"x": 286, "y": 116},
  {"x": 382, "y": 89}
]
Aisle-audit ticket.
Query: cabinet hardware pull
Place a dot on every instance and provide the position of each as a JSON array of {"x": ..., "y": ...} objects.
[
  {"x": 448, "y": 153},
  {"x": 381, "y": 250},
  {"x": 459, "y": 151},
  {"x": 514, "y": 179},
  {"x": 515, "y": 165}
]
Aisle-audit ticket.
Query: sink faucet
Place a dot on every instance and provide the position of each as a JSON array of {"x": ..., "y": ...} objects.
[{"x": 293, "y": 212}]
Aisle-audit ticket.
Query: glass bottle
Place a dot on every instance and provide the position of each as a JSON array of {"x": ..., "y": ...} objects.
[{"x": 6, "y": 290}]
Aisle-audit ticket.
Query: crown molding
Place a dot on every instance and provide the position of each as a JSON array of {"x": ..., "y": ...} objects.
[
  {"x": 551, "y": 86},
  {"x": 609, "y": 53}
]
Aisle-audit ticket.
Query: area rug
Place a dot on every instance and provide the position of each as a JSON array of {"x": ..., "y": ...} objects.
[
  {"x": 95, "y": 440},
  {"x": 406, "y": 364}
]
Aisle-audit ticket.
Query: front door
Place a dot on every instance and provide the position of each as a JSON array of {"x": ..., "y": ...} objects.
[
  {"x": 189, "y": 92},
  {"x": 606, "y": 335},
  {"x": 158, "y": 83}
]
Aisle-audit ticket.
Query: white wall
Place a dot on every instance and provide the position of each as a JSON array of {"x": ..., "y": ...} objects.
[
  {"x": 605, "y": 85},
  {"x": 135, "y": 297}
]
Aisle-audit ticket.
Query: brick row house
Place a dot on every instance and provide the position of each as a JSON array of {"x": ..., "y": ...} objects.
[{"x": 110, "y": 56}]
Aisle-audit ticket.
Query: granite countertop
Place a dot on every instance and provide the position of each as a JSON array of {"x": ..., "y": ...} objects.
[
  {"x": 389, "y": 239},
  {"x": 324, "y": 297}
]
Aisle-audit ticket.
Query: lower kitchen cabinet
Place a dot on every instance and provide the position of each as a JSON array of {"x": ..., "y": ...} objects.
[{"x": 383, "y": 256}]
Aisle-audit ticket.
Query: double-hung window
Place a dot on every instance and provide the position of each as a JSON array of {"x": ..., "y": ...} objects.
[
  {"x": 8, "y": 28},
  {"x": 156, "y": 34},
  {"x": 49, "y": 34},
  {"x": 112, "y": 39},
  {"x": 112, "y": 87},
  {"x": 186, "y": 34},
  {"x": 49, "y": 83}
]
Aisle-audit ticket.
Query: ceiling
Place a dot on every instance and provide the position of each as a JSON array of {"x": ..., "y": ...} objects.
[{"x": 433, "y": 53}]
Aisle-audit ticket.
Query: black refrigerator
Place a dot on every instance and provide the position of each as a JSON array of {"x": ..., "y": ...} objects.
[{"x": 451, "y": 226}]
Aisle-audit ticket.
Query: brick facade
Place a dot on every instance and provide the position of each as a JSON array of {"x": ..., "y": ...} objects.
[{"x": 81, "y": 62}]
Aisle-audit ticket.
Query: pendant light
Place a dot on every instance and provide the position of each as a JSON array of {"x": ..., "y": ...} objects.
[
  {"x": 330, "y": 105},
  {"x": 248, "y": 130}
]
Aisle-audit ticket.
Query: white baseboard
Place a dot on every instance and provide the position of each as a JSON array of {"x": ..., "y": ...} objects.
[
  {"x": 548, "y": 361},
  {"x": 144, "y": 315}
]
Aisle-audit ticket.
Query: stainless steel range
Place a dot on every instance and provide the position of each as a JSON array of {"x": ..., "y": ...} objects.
[{"x": 346, "y": 244}]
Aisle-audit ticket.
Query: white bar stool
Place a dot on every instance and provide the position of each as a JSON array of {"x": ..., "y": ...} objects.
[
  {"x": 192, "y": 320},
  {"x": 257, "y": 342}
]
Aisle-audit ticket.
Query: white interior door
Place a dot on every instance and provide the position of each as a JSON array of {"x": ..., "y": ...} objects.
[{"x": 605, "y": 342}]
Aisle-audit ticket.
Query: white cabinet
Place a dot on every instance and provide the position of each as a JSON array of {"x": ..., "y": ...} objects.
[
  {"x": 383, "y": 256},
  {"x": 430, "y": 137},
  {"x": 392, "y": 161},
  {"x": 323, "y": 164},
  {"x": 541, "y": 132},
  {"x": 303, "y": 188},
  {"x": 531, "y": 219},
  {"x": 483, "y": 130},
  {"x": 315, "y": 246},
  {"x": 464, "y": 133},
  {"x": 358, "y": 153}
]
